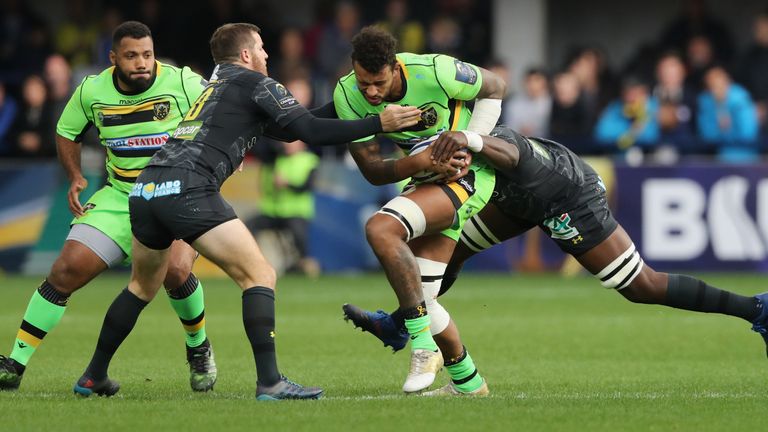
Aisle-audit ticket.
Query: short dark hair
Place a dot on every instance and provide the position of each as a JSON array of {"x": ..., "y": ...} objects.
[
  {"x": 229, "y": 39},
  {"x": 373, "y": 48},
  {"x": 131, "y": 29}
]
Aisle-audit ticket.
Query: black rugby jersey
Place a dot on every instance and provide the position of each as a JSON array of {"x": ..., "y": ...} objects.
[
  {"x": 227, "y": 120},
  {"x": 548, "y": 179}
]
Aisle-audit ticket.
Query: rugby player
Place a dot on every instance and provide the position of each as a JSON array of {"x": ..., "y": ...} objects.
[
  {"x": 177, "y": 197},
  {"x": 542, "y": 183},
  {"x": 414, "y": 234},
  {"x": 134, "y": 105}
]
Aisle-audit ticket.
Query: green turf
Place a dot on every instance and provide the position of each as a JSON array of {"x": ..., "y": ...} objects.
[{"x": 559, "y": 354}]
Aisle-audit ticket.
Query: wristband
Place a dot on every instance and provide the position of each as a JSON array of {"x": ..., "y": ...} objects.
[{"x": 474, "y": 141}]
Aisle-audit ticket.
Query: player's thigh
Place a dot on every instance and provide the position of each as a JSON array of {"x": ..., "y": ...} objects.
[
  {"x": 76, "y": 265},
  {"x": 439, "y": 210},
  {"x": 232, "y": 247}
]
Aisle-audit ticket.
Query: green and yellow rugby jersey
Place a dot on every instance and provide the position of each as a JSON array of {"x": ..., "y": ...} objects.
[
  {"x": 131, "y": 127},
  {"x": 438, "y": 84}
]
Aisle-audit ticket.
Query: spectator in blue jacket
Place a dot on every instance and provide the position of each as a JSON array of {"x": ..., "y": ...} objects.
[
  {"x": 630, "y": 121},
  {"x": 727, "y": 118}
]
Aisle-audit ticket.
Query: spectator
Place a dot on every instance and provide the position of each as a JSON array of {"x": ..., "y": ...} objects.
[
  {"x": 8, "y": 110},
  {"x": 24, "y": 42},
  {"x": 410, "y": 34},
  {"x": 694, "y": 20},
  {"x": 595, "y": 80},
  {"x": 569, "y": 120},
  {"x": 727, "y": 118},
  {"x": 530, "y": 110},
  {"x": 631, "y": 120},
  {"x": 76, "y": 37},
  {"x": 33, "y": 129},
  {"x": 58, "y": 77},
  {"x": 334, "y": 49},
  {"x": 291, "y": 55},
  {"x": 445, "y": 36},
  {"x": 700, "y": 56},
  {"x": 110, "y": 19},
  {"x": 287, "y": 201},
  {"x": 677, "y": 102},
  {"x": 753, "y": 68}
]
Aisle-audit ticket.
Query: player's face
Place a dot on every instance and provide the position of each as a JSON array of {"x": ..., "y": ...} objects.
[
  {"x": 258, "y": 55},
  {"x": 376, "y": 87},
  {"x": 134, "y": 61}
]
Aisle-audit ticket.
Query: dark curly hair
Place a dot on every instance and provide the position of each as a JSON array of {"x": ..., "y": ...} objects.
[
  {"x": 130, "y": 29},
  {"x": 373, "y": 48}
]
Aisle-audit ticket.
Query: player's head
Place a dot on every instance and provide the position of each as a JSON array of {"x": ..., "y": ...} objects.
[
  {"x": 375, "y": 64},
  {"x": 239, "y": 43},
  {"x": 133, "y": 55}
]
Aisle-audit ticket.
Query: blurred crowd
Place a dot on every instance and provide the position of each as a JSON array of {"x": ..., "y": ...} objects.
[{"x": 691, "y": 91}]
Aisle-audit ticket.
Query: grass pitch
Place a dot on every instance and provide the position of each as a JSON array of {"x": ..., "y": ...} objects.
[{"x": 558, "y": 354}]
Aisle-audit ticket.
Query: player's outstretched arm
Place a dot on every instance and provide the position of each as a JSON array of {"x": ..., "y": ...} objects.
[
  {"x": 69, "y": 156},
  {"x": 323, "y": 131}
]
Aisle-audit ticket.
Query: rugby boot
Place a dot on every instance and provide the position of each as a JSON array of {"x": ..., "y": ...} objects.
[
  {"x": 425, "y": 365},
  {"x": 86, "y": 386},
  {"x": 10, "y": 375},
  {"x": 202, "y": 367},
  {"x": 379, "y": 324},
  {"x": 760, "y": 324},
  {"x": 286, "y": 389},
  {"x": 451, "y": 390}
]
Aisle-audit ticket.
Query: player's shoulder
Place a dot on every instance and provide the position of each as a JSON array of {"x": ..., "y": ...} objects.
[
  {"x": 411, "y": 59},
  {"x": 97, "y": 84}
]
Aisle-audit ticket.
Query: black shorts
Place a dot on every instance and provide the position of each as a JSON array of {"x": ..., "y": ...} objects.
[
  {"x": 174, "y": 203},
  {"x": 585, "y": 224}
]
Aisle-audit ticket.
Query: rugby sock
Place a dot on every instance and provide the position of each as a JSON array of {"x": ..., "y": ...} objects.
[
  {"x": 44, "y": 311},
  {"x": 463, "y": 373},
  {"x": 188, "y": 301},
  {"x": 118, "y": 323},
  {"x": 685, "y": 292},
  {"x": 259, "y": 322},
  {"x": 417, "y": 322}
]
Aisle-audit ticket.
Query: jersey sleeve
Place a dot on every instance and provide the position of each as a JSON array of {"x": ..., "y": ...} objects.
[
  {"x": 277, "y": 102},
  {"x": 459, "y": 79},
  {"x": 74, "y": 121},
  {"x": 344, "y": 110},
  {"x": 193, "y": 85}
]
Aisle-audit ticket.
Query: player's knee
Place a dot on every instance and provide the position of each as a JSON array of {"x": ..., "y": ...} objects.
[
  {"x": 176, "y": 276},
  {"x": 67, "y": 276},
  {"x": 649, "y": 287},
  {"x": 402, "y": 216},
  {"x": 381, "y": 232}
]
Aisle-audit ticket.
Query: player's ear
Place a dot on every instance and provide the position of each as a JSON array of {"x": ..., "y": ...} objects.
[{"x": 112, "y": 57}]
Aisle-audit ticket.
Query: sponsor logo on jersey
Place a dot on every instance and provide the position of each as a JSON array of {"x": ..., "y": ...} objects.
[
  {"x": 88, "y": 206},
  {"x": 187, "y": 130},
  {"x": 465, "y": 73},
  {"x": 155, "y": 190},
  {"x": 281, "y": 95},
  {"x": 139, "y": 142},
  {"x": 560, "y": 228}
]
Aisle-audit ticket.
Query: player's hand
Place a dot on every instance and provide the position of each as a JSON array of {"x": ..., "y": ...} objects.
[
  {"x": 446, "y": 145},
  {"x": 459, "y": 172},
  {"x": 396, "y": 117},
  {"x": 73, "y": 195}
]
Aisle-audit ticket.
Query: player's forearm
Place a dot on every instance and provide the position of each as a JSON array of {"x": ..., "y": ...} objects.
[
  {"x": 69, "y": 157},
  {"x": 319, "y": 131},
  {"x": 499, "y": 153}
]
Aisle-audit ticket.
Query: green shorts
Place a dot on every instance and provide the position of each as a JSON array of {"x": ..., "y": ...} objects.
[
  {"x": 107, "y": 211},
  {"x": 469, "y": 195}
]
